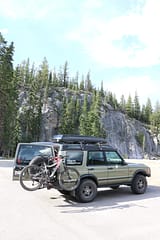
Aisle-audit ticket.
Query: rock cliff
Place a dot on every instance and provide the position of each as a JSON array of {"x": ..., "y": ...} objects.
[{"x": 129, "y": 136}]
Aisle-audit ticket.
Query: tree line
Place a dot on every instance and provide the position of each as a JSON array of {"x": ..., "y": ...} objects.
[{"x": 25, "y": 90}]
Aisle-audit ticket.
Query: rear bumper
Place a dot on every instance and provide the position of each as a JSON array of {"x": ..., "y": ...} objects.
[
  {"x": 16, "y": 172},
  {"x": 16, "y": 175}
]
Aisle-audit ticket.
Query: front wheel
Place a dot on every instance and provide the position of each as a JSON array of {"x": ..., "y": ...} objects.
[
  {"x": 31, "y": 177},
  {"x": 69, "y": 179},
  {"x": 139, "y": 184}
]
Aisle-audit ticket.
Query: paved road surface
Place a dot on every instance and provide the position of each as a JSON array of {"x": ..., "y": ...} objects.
[{"x": 47, "y": 215}]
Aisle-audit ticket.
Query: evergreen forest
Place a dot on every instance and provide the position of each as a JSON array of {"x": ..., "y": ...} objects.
[{"x": 22, "y": 122}]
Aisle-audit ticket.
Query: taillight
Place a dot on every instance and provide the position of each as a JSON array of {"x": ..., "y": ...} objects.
[{"x": 18, "y": 160}]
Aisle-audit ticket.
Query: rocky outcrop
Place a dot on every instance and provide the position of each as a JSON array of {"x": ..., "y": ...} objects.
[{"x": 129, "y": 136}]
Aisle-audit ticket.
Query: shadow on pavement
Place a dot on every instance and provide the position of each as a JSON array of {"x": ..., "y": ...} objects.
[{"x": 111, "y": 199}]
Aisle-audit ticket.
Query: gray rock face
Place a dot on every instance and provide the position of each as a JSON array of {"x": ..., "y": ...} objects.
[{"x": 129, "y": 136}]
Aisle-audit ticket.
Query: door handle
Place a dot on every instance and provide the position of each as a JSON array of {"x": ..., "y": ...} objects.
[
  {"x": 90, "y": 168},
  {"x": 110, "y": 168}
]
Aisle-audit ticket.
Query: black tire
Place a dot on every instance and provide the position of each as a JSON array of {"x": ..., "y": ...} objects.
[
  {"x": 37, "y": 160},
  {"x": 139, "y": 184},
  {"x": 114, "y": 187},
  {"x": 87, "y": 191},
  {"x": 64, "y": 192},
  {"x": 30, "y": 178},
  {"x": 69, "y": 179}
]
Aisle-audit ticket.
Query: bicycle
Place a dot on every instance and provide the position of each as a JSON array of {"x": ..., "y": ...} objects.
[{"x": 42, "y": 173}]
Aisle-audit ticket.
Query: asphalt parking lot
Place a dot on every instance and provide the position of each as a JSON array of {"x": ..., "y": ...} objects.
[{"x": 48, "y": 215}]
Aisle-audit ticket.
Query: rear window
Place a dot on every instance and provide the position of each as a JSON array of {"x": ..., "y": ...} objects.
[{"x": 27, "y": 152}]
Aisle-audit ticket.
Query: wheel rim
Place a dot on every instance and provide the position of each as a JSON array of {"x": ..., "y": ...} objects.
[
  {"x": 141, "y": 184},
  {"x": 87, "y": 191}
]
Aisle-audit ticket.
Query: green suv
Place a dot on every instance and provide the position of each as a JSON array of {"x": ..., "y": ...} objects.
[{"x": 99, "y": 165}]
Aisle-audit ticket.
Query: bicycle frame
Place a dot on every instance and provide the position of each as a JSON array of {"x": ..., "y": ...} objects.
[{"x": 55, "y": 165}]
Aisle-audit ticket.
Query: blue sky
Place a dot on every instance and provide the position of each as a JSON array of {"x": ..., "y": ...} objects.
[{"x": 118, "y": 41}]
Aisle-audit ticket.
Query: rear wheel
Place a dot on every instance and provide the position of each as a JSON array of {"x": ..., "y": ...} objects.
[
  {"x": 114, "y": 187},
  {"x": 65, "y": 192},
  {"x": 31, "y": 177},
  {"x": 86, "y": 191}
]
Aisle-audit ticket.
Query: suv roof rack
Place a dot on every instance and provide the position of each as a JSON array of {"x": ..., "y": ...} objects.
[{"x": 67, "y": 138}]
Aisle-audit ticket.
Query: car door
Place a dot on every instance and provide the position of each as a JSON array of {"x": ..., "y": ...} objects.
[
  {"x": 97, "y": 166},
  {"x": 117, "y": 170}
]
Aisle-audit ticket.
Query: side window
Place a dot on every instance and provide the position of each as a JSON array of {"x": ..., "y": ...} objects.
[
  {"x": 74, "y": 157},
  {"x": 95, "y": 158},
  {"x": 113, "y": 158}
]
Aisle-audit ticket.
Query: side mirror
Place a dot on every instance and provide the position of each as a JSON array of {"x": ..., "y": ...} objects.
[{"x": 125, "y": 163}]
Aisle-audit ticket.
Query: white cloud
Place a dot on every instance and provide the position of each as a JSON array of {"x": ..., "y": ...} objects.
[
  {"x": 4, "y": 30},
  {"x": 88, "y": 4},
  {"x": 130, "y": 85},
  {"x": 18, "y": 9},
  {"x": 98, "y": 36}
]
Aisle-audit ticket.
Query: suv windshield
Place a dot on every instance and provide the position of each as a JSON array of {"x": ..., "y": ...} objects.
[{"x": 27, "y": 152}]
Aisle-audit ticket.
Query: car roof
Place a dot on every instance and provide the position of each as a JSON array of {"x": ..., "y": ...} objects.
[
  {"x": 73, "y": 145},
  {"x": 42, "y": 143}
]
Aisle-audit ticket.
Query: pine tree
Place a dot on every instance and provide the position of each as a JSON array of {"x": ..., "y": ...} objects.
[
  {"x": 33, "y": 95},
  {"x": 81, "y": 86},
  {"x": 102, "y": 90},
  {"x": 129, "y": 107},
  {"x": 73, "y": 83},
  {"x": 142, "y": 117},
  {"x": 148, "y": 111},
  {"x": 111, "y": 99},
  {"x": 17, "y": 132},
  {"x": 55, "y": 82},
  {"x": 137, "y": 108},
  {"x": 123, "y": 103},
  {"x": 7, "y": 96},
  {"x": 94, "y": 116},
  {"x": 77, "y": 115},
  {"x": 44, "y": 79},
  {"x": 83, "y": 120},
  {"x": 155, "y": 120},
  {"x": 69, "y": 122},
  {"x": 88, "y": 83},
  {"x": 62, "y": 126},
  {"x": 65, "y": 75}
]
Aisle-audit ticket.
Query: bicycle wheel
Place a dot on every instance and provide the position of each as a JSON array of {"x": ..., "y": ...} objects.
[
  {"x": 31, "y": 177},
  {"x": 69, "y": 179}
]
